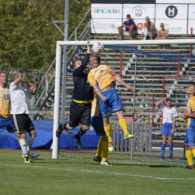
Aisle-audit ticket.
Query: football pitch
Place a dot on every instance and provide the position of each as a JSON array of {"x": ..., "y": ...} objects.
[{"x": 77, "y": 173}]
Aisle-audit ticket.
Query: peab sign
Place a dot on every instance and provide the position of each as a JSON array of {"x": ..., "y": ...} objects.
[{"x": 178, "y": 16}]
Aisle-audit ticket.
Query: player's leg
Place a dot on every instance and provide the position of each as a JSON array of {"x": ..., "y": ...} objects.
[
  {"x": 189, "y": 143},
  {"x": 74, "y": 116},
  {"x": 32, "y": 135},
  {"x": 163, "y": 146},
  {"x": 123, "y": 124},
  {"x": 19, "y": 122},
  {"x": 170, "y": 140},
  {"x": 104, "y": 160},
  {"x": 85, "y": 117},
  {"x": 98, "y": 154},
  {"x": 107, "y": 129}
]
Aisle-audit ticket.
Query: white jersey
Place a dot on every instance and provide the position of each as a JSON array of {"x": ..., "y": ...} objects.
[
  {"x": 19, "y": 95},
  {"x": 168, "y": 114}
]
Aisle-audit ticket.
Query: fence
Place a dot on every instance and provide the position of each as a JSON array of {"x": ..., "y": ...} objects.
[{"x": 142, "y": 141}]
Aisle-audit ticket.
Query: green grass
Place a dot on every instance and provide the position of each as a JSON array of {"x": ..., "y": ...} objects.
[{"x": 78, "y": 174}]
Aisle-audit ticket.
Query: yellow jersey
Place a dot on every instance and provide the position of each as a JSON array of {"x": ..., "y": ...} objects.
[
  {"x": 4, "y": 102},
  {"x": 191, "y": 109},
  {"x": 102, "y": 76}
]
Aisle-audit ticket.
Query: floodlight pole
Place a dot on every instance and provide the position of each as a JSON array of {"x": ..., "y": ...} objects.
[{"x": 66, "y": 14}]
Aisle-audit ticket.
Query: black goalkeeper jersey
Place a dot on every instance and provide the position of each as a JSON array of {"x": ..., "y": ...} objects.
[{"x": 82, "y": 90}]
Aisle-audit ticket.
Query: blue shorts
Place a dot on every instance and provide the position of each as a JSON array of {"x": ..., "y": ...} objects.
[
  {"x": 7, "y": 124},
  {"x": 190, "y": 137},
  {"x": 112, "y": 104},
  {"x": 166, "y": 129}
]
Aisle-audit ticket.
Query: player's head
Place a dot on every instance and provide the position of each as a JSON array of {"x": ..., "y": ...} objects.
[
  {"x": 93, "y": 60},
  {"x": 18, "y": 75},
  {"x": 168, "y": 102},
  {"x": 77, "y": 63},
  {"x": 191, "y": 90},
  {"x": 128, "y": 17},
  {"x": 3, "y": 78}
]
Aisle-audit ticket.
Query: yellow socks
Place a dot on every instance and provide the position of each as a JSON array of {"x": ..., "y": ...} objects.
[
  {"x": 123, "y": 124},
  {"x": 99, "y": 149},
  {"x": 189, "y": 157},
  {"x": 105, "y": 150},
  {"x": 107, "y": 130},
  {"x": 193, "y": 152}
]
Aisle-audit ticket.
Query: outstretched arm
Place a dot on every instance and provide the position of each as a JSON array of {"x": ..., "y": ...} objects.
[
  {"x": 80, "y": 69},
  {"x": 120, "y": 80},
  {"x": 158, "y": 104}
]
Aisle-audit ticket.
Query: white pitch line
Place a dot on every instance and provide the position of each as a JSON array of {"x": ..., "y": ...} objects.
[{"x": 97, "y": 172}]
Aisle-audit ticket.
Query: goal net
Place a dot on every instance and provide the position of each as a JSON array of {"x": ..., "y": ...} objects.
[{"x": 156, "y": 69}]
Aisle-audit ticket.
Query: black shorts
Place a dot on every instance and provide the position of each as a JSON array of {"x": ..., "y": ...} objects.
[
  {"x": 22, "y": 122},
  {"x": 79, "y": 113}
]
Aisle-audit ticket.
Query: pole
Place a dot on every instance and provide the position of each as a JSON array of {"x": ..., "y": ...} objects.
[
  {"x": 56, "y": 101},
  {"x": 134, "y": 92},
  {"x": 178, "y": 65},
  {"x": 121, "y": 63},
  {"x": 64, "y": 67},
  {"x": 153, "y": 110},
  {"x": 191, "y": 44}
]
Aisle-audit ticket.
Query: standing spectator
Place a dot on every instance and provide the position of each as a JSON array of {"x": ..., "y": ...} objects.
[
  {"x": 20, "y": 88},
  {"x": 189, "y": 141},
  {"x": 162, "y": 33},
  {"x": 103, "y": 80},
  {"x": 168, "y": 128},
  {"x": 130, "y": 28},
  {"x": 149, "y": 30}
]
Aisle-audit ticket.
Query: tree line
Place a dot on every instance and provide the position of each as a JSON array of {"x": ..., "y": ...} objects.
[{"x": 27, "y": 34}]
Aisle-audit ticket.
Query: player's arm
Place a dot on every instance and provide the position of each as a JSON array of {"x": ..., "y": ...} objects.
[
  {"x": 99, "y": 92},
  {"x": 35, "y": 87},
  {"x": 190, "y": 115},
  {"x": 80, "y": 69},
  {"x": 120, "y": 80},
  {"x": 173, "y": 129},
  {"x": 158, "y": 104}
]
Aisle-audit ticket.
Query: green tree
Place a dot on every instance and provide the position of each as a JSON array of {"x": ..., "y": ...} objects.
[{"x": 27, "y": 34}]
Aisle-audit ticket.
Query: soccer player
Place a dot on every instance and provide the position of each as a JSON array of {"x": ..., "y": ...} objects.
[
  {"x": 20, "y": 88},
  {"x": 103, "y": 80},
  {"x": 80, "y": 108},
  {"x": 168, "y": 128},
  {"x": 5, "y": 121},
  {"x": 189, "y": 141}
]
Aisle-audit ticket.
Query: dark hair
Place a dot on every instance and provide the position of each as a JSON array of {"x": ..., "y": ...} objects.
[{"x": 128, "y": 15}]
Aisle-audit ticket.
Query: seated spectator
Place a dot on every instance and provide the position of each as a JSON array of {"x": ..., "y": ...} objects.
[
  {"x": 130, "y": 28},
  {"x": 162, "y": 33},
  {"x": 149, "y": 30}
]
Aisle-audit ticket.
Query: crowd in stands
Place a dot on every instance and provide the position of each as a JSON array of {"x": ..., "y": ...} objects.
[{"x": 129, "y": 28}]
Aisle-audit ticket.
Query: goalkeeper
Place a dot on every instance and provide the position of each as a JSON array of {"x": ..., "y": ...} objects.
[
  {"x": 80, "y": 108},
  {"x": 103, "y": 80}
]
